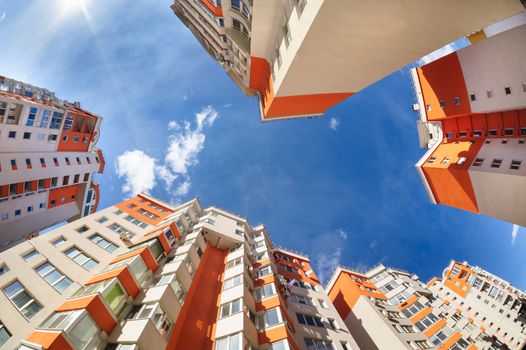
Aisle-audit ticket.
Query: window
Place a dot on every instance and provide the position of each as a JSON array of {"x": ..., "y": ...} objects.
[
  {"x": 441, "y": 335},
  {"x": 442, "y": 103},
  {"x": 309, "y": 320},
  {"x": 233, "y": 263},
  {"x": 318, "y": 344},
  {"x": 289, "y": 269},
  {"x": 264, "y": 271},
  {"x": 68, "y": 122},
  {"x": 4, "y": 216},
  {"x": 27, "y": 135},
  {"x": 515, "y": 164},
  {"x": 300, "y": 299},
  {"x": 13, "y": 164},
  {"x": 56, "y": 120},
  {"x": 457, "y": 101},
  {"x": 280, "y": 345},
  {"x": 427, "y": 321},
  {"x": 4, "y": 334},
  {"x": 428, "y": 107},
  {"x": 29, "y": 255},
  {"x": 80, "y": 258},
  {"x": 459, "y": 345},
  {"x": 230, "y": 308},
  {"x": 135, "y": 221},
  {"x": 472, "y": 97},
  {"x": 413, "y": 309},
  {"x": 231, "y": 342},
  {"x": 11, "y": 134},
  {"x": 148, "y": 214},
  {"x": 419, "y": 344},
  {"x": 52, "y": 137},
  {"x": 54, "y": 277},
  {"x": 24, "y": 302},
  {"x": 232, "y": 282},
  {"x": 478, "y": 161},
  {"x": 82, "y": 229},
  {"x": 102, "y": 220},
  {"x": 270, "y": 318},
  {"x": 45, "y": 118},
  {"x": 119, "y": 229},
  {"x": 265, "y": 291},
  {"x": 189, "y": 265},
  {"x": 508, "y": 132},
  {"x": 58, "y": 241},
  {"x": 507, "y": 90},
  {"x": 461, "y": 160},
  {"x": 489, "y": 93},
  {"x": 103, "y": 243},
  {"x": 445, "y": 160},
  {"x": 496, "y": 163},
  {"x": 477, "y": 133},
  {"x": 81, "y": 329},
  {"x": 31, "y": 116},
  {"x": 3, "y": 269},
  {"x": 65, "y": 180}
]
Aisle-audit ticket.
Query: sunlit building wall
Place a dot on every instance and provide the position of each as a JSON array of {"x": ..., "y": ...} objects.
[{"x": 47, "y": 161}]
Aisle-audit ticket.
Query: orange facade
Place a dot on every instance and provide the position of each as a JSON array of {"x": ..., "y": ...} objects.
[
  {"x": 285, "y": 106},
  {"x": 50, "y": 340},
  {"x": 64, "y": 195},
  {"x": 78, "y": 133},
  {"x": 133, "y": 206},
  {"x": 195, "y": 323}
]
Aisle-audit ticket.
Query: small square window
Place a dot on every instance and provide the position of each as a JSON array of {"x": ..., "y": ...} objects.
[
  {"x": 472, "y": 97},
  {"x": 52, "y": 137},
  {"x": 489, "y": 93},
  {"x": 446, "y": 160},
  {"x": 65, "y": 138},
  {"x": 461, "y": 160},
  {"x": 523, "y": 131},
  {"x": 442, "y": 103},
  {"x": 496, "y": 163},
  {"x": 76, "y": 139},
  {"x": 523, "y": 87},
  {"x": 515, "y": 164},
  {"x": 4, "y": 216},
  {"x": 507, "y": 90},
  {"x": 30, "y": 209},
  {"x": 102, "y": 220},
  {"x": 457, "y": 101},
  {"x": 53, "y": 202},
  {"x": 432, "y": 160},
  {"x": 508, "y": 132},
  {"x": 478, "y": 161},
  {"x": 428, "y": 106},
  {"x": 11, "y": 134},
  {"x": 449, "y": 135},
  {"x": 462, "y": 134},
  {"x": 492, "y": 132},
  {"x": 27, "y": 135},
  {"x": 82, "y": 229},
  {"x": 521, "y": 141},
  {"x": 477, "y": 133},
  {"x": 41, "y": 205},
  {"x": 30, "y": 254},
  {"x": 18, "y": 212}
]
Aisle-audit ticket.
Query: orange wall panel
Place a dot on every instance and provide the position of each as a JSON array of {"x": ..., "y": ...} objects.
[
  {"x": 195, "y": 323},
  {"x": 63, "y": 192},
  {"x": 443, "y": 79},
  {"x": 435, "y": 327},
  {"x": 49, "y": 340}
]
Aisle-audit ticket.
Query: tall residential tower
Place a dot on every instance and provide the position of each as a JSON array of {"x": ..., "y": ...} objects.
[
  {"x": 47, "y": 161},
  {"x": 472, "y": 107},
  {"x": 301, "y": 57},
  {"x": 147, "y": 275}
]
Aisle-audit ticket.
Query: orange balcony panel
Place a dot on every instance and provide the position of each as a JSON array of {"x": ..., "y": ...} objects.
[
  {"x": 273, "y": 335},
  {"x": 63, "y": 195},
  {"x": 49, "y": 340},
  {"x": 34, "y": 185},
  {"x": 4, "y": 191},
  {"x": 19, "y": 188},
  {"x": 410, "y": 301},
  {"x": 47, "y": 183},
  {"x": 124, "y": 276},
  {"x": 95, "y": 307},
  {"x": 146, "y": 255},
  {"x": 159, "y": 234},
  {"x": 435, "y": 327},
  {"x": 421, "y": 314},
  {"x": 217, "y": 11},
  {"x": 450, "y": 341},
  {"x": 264, "y": 280},
  {"x": 268, "y": 303}
]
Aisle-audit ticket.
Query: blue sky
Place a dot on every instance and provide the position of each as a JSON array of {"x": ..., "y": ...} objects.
[{"x": 342, "y": 188}]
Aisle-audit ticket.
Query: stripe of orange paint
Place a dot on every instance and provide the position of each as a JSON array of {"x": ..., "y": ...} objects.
[
  {"x": 194, "y": 326},
  {"x": 435, "y": 327},
  {"x": 421, "y": 314},
  {"x": 267, "y": 303},
  {"x": 217, "y": 11},
  {"x": 146, "y": 255},
  {"x": 49, "y": 340},
  {"x": 410, "y": 301},
  {"x": 450, "y": 341},
  {"x": 283, "y": 106},
  {"x": 272, "y": 335}
]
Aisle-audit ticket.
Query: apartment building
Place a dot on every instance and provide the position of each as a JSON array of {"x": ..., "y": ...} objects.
[
  {"x": 468, "y": 308},
  {"x": 472, "y": 109},
  {"x": 301, "y": 57},
  {"x": 143, "y": 274},
  {"x": 47, "y": 161}
]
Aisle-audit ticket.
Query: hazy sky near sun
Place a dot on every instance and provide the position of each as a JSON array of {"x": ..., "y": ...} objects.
[{"x": 341, "y": 188}]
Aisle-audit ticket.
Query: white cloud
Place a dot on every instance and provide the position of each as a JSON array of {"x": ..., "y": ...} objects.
[
  {"x": 514, "y": 233},
  {"x": 172, "y": 125},
  {"x": 373, "y": 244},
  {"x": 334, "y": 123},
  {"x": 2, "y": 17},
  {"x": 141, "y": 171},
  {"x": 342, "y": 233},
  {"x": 327, "y": 262},
  {"x": 138, "y": 170}
]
